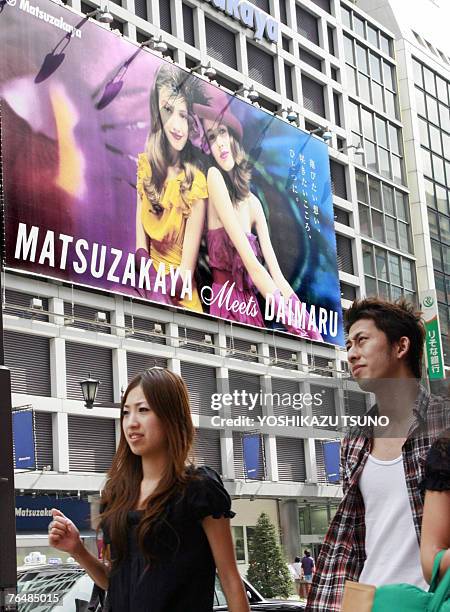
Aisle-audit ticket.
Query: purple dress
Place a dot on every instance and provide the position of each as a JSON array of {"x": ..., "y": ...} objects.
[{"x": 233, "y": 292}]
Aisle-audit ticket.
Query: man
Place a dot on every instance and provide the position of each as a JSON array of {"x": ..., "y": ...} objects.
[
  {"x": 307, "y": 564},
  {"x": 375, "y": 534}
]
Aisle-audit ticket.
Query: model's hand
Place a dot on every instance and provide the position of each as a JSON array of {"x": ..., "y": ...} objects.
[{"x": 62, "y": 533}]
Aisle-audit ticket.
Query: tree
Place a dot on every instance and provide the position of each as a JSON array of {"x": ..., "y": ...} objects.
[{"x": 268, "y": 571}]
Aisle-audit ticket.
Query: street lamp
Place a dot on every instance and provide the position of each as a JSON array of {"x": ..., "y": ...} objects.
[
  {"x": 359, "y": 150},
  {"x": 325, "y": 133},
  {"x": 89, "y": 388},
  {"x": 102, "y": 15}
]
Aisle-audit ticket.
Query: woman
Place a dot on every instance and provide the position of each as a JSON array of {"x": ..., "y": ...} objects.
[
  {"x": 234, "y": 212},
  {"x": 436, "y": 512},
  {"x": 171, "y": 190},
  {"x": 165, "y": 523}
]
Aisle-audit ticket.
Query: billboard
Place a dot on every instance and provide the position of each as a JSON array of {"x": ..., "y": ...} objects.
[
  {"x": 24, "y": 440},
  {"x": 125, "y": 173}
]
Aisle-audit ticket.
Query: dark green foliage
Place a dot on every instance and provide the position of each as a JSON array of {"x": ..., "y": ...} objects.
[{"x": 267, "y": 570}]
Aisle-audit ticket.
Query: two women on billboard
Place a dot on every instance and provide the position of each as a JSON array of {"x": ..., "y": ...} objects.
[
  {"x": 171, "y": 188},
  {"x": 172, "y": 192}
]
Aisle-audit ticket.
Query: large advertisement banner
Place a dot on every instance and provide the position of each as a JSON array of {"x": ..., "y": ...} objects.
[{"x": 125, "y": 173}]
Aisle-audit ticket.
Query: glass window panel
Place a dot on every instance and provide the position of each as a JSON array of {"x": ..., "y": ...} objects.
[
  {"x": 361, "y": 187},
  {"x": 429, "y": 193},
  {"x": 364, "y": 221},
  {"x": 349, "y": 50},
  {"x": 394, "y": 269},
  {"x": 389, "y": 78},
  {"x": 396, "y": 293},
  {"x": 371, "y": 286},
  {"x": 381, "y": 128},
  {"x": 381, "y": 264},
  {"x": 429, "y": 81},
  {"x": 397, "y": 169},
  {"x": 437, "y": 259},
  {"x": 354, "y": 117},
  {"x": 395, "y": 139},
  {"x": 441, "y": 199},
  {"x": 358, "y": 26},
  {"x": 238, "y": 540},
  {"x": 391, "y": 107},
  {"x": 447, "y": 173},
  {"x": 346, "y": 16},
  {"x": 370, "y": 154},
  {"x": 443, "y": 318},
  {"x": 385, "y": 165},
  {"x": 424, "y": 137},
  {"x": 418, "y": 76},
  {"x": 367, "y": 123},
  {"x": 446, "y": 258},
  {"x": 383, "y": 289},
  {"x": 391, "y": 232},
  {"x": 377, "y": 93},
  {"x": 385, "y": 44},
  {"x": 444, "y": 116},
  {"x": 442, "y": 90},
  {"x": 361, "y": 58},
  {"x": 369, "y": 268},
  {"x": 351, "y": 79},
  {"x": 364, "y": 86},
  {"x": 408, "y": 274},
  {"x": 402, "y": 205},
  {"x": 432, "y": 108},
  {"x": 374, "y": 192},
  {"x": 388, "y": 200},
  {"x": 375, "y": 67},
  {"x": 426, "y": 158},
  {"x": 404, "y": 237},
  {"x": 372, "y": 35},
  {"x": 420, "y": 100},
  {"x": 444, "y": 226},
  {"x": 446, "y": 144},
  {"x": 438, "y": 167},
  {"x": 440, "y": 287},
  {"x": 377, "y": 226},
  {"x": 447, "y": 287},
  {"x": 435, "y": 139},
  {"x": 433, "y": 224}
]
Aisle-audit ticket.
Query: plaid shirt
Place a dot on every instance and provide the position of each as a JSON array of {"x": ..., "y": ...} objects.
[{"x": 342, "y": 554}]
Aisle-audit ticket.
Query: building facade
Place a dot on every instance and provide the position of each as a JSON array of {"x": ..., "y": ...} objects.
[{"x": 337, "y": 68}]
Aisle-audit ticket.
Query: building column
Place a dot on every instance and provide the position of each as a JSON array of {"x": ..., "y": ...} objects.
[
  {"x": 57, "y": 351},
  {"x": 60, "y": 432},
  {"x": 290, "y": 530}
]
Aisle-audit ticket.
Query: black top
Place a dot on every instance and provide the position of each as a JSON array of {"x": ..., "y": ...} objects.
[
  {"x": 437, "y": 468},
  {"x": 181, "y": 575}
]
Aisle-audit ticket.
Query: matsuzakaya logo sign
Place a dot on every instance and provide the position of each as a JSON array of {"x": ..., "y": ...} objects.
[{"x": 126, "y": 173}]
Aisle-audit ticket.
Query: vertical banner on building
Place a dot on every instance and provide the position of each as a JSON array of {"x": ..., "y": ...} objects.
[
  {"x": 433, "y": 345},
  {"x": 331, "y": 457},
  {"x": 251, "y": 446},
  {"x": 24, "y": 440}
]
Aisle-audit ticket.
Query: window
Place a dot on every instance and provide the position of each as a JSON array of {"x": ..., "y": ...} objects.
[
  {"x": 188, "y": 24},
  {"x": 388, "y": 274},
  {"x": 313, "y": 96},
  {"x": 288, "y": 81},
  {"x": 260, "y": 65},
  {"x": 221, "y": 43},
  {"x": 165, "y": 17},
  {"x": 307, "y": 25}
]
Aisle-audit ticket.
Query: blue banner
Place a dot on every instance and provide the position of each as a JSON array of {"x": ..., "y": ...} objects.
[
  {"x": 24, "y": 443},
  {"x": 251, "y": 445},
  {"x": 331, "y": 456},
  {"x": 34, "y": 513}
]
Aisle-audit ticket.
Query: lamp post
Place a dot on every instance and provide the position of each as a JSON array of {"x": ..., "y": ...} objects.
[
  {"x": 89, "y": 388},
  {"x": 8, "y": 554}
]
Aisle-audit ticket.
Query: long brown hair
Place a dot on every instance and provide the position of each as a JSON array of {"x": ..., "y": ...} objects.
[
  {"x": 157, "y": 149},
  {"x": 167, "y": 395}
]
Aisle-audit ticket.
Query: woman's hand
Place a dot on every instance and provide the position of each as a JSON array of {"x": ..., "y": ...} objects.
[{"x": 63, "y": 534}]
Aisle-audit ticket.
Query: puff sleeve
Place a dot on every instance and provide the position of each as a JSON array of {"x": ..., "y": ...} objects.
[
  {"x": 207, "y": 496},
  {"x": 199, "y": 189},
  {"x": 437, "y": 467}
]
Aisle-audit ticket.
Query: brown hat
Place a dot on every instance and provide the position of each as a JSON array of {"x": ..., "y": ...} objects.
[{"x": 218, "y": 110}]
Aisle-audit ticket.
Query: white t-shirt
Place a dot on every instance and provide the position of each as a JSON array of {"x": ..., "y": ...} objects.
[{"x": 392, "y": 549}]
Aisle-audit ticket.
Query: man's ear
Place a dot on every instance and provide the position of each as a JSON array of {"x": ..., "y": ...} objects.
[{"x": 402, "y": 347}]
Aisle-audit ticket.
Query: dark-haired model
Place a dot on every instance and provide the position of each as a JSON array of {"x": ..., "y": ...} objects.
[
  {"x": 166, "y": 523},
  {"x": 375, "y": 535}
]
